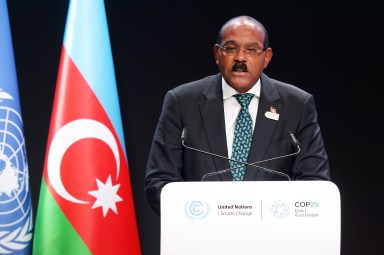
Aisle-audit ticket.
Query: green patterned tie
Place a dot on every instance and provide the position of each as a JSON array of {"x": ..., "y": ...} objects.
[{"x": 242, "y": 136}]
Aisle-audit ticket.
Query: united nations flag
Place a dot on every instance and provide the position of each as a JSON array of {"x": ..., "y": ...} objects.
[{"x": 16, "y": 223}]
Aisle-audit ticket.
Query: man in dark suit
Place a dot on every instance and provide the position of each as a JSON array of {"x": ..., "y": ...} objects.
[{"x": 208, "y": 109}]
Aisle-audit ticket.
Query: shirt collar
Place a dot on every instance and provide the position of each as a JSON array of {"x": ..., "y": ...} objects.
[{"x": 228, "y": 91}]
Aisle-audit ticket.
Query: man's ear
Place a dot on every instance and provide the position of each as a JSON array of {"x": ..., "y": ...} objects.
[
  {"x": 268, "y": 56},
  {"x": 216, "y": 53}
]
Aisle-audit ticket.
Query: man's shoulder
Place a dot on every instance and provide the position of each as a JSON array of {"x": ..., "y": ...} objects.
[
  {"x": 284, "y": 87},
  {"x": 197, "y": 85}
]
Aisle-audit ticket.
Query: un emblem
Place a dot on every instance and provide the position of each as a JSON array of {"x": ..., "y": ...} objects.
[
  {"x": 196, "y": 209},
  {"x": 15, "y": 202}
]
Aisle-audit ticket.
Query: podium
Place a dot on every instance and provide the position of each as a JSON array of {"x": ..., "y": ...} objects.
[{"x": 256, "y": 217}]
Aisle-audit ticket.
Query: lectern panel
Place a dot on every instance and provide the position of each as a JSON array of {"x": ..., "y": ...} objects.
[{"x": 287, "y": 217}]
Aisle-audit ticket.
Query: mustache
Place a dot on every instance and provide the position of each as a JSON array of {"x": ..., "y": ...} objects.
[{"x": 239, "y": 66}]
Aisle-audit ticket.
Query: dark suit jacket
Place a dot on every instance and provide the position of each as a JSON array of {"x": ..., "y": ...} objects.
[{"x": 198, "y": 106}]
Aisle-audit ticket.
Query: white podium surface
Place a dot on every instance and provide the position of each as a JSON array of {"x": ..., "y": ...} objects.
[{"x": 264, "y": 217}]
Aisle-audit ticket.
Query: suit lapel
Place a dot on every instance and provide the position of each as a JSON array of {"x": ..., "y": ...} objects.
[
  {"x": 264, "y": 128},
  {"x": 212, "y": 114}
]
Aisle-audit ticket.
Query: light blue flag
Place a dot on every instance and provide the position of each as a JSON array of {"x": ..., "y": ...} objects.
[{"x": 16, "y": 222}]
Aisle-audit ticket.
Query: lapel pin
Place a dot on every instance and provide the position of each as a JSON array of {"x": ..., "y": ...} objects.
[{"x": 272, "y": 114}]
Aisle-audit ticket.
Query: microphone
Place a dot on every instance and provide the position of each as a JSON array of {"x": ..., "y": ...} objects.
[
  {"x": 294, "y": 140},
  {"x": 184, "y": 139},
  {"x": 254, "y": 164}
]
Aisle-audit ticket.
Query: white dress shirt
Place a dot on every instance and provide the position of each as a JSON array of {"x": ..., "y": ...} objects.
[{"x": 232, "y": 109}]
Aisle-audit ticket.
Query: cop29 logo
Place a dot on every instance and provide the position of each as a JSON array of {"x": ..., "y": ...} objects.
[{"x": 280, "y": 209}]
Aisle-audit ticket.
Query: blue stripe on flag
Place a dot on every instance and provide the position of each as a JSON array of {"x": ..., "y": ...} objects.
[{"x": 86, "y": 40}]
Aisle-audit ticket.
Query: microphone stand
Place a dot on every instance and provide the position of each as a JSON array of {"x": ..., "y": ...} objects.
[{"x": 254, "y": 164}]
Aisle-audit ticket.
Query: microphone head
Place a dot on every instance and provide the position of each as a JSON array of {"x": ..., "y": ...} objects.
[
  {"x": 184, "y": 135},
  {"x": 294, "y": 139}
]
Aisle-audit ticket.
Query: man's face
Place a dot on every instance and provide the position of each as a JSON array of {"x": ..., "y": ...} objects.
[{"x": 242, "y": 69}]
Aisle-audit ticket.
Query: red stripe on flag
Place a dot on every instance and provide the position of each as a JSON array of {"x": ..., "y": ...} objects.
[{"x": 84, "y": 161}]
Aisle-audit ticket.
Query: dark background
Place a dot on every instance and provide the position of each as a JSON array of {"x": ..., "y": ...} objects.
[{"x": 333, "y": 51}]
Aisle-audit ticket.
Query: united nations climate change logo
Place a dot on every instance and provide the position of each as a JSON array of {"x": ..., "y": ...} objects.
[
  {"x": 15, "y": 202},
  {"x": 196, "y": 209},
  {"x": 280, "y": 209}
]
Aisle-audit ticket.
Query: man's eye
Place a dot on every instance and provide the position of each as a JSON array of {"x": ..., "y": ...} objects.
[
  {"x": 231, "y": 49},
  {"x": 251, "y": 50}
]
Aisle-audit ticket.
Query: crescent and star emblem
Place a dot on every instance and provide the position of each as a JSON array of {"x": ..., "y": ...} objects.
[{"x": 106, "y": 194}]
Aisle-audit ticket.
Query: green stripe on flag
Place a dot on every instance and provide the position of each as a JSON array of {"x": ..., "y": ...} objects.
[{"x": 53, "y": 232}]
